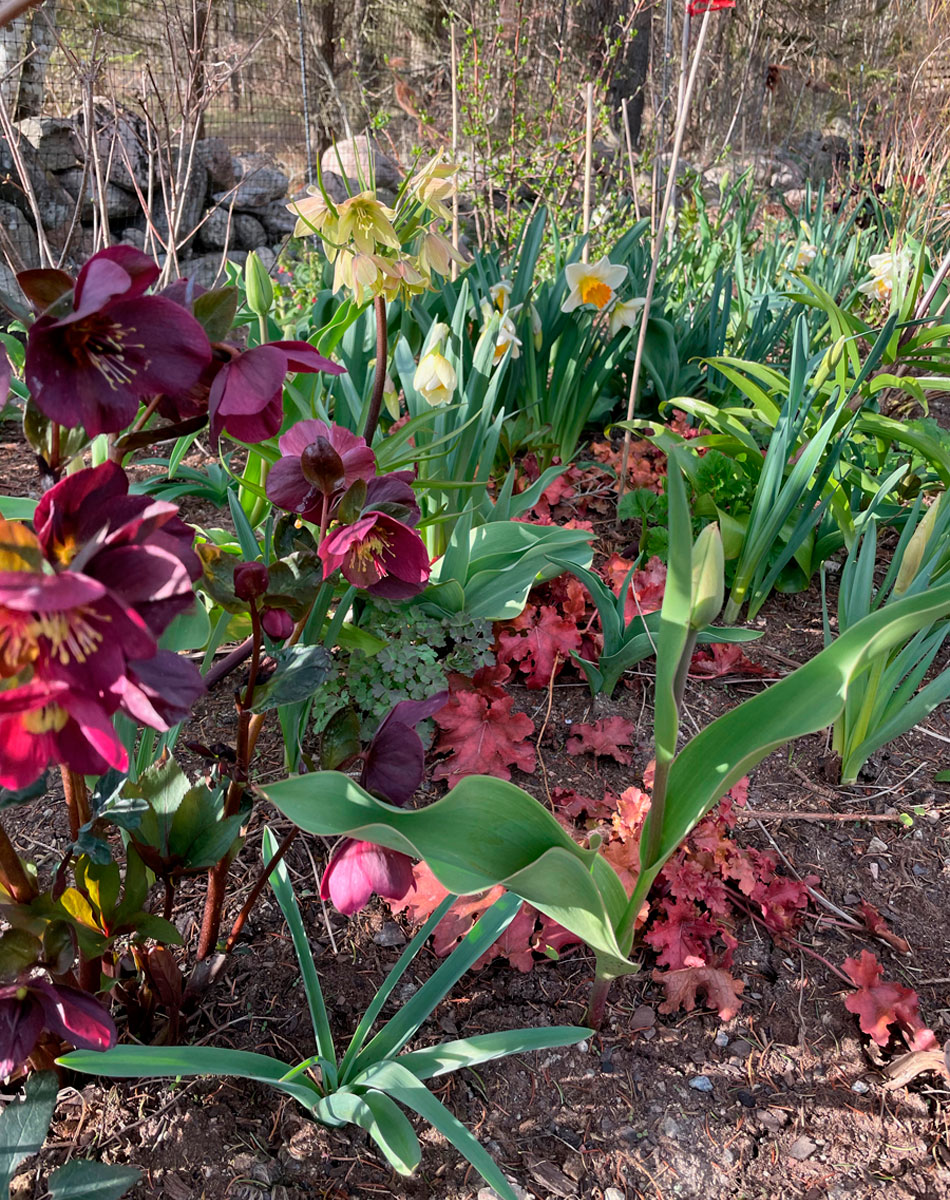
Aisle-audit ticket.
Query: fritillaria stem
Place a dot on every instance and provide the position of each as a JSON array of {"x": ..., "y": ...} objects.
[{"x": 379, "y": 385}]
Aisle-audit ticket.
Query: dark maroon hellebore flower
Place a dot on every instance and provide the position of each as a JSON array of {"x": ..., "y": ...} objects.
[
  {"x": 29, "y": 1007},
  {"x": 290, "y": 486},
  {"x": 377, "y": 553},
  {"x": 139, "y": 548},
  {"x": 247, "y": 396},
  {"x": 99, "y": 346}
]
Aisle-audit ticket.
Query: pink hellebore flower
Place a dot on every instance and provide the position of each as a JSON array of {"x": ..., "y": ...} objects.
[
  {"x": 377, "y": 553},
  {"x": 247, "y": 396},
  {"x": 357, "y": 869},
  {"x": 99, "y": 345}
]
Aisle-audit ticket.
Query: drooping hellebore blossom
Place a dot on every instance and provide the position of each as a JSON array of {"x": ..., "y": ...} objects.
[
  {"x": 297, "y": 481},
  {"x": 30, "y": 1006},
  {"x": 246, "y": 397},
  {"x": 358, "y": 869},
  {"x": 592, "y": 283},
  {"x": 379, "y": 554},
  {"x": 100, "y": 345}
]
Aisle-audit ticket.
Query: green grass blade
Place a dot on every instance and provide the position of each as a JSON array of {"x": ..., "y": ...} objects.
[
  {"x": 284, "y": 892},
  {"x": 402, "y": 1085},
  {"x": 382, "y": 1119},
  {"x": 483, "y": 934},
  {"x": 376, "y": 1004},
  {"x": 170, "y": 1062},
  {"x": 484, "y": 1047}
]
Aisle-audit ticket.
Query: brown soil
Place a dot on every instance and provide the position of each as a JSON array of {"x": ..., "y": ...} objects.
[{"x": 794, "y": 1104}]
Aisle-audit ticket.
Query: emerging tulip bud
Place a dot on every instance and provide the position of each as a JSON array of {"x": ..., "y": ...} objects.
[
  {"x": 914, "y": 553},
  {"x": 251, "y": 580},
  {"x": 322, "y": 466},
  {"x": 708, "y": 590},
  {"x": 258, "y": 286},
  {"x": 278, "y": 624}
]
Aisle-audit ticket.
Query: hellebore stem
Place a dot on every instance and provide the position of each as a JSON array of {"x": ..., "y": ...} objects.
[
  {"x": 218, "y": 875},
  {"x": 376, "y": 404},
  {"x": 258, "y": 888},
  {"x": 13, "y": 874},
  {"x": 77, "y": 800}
]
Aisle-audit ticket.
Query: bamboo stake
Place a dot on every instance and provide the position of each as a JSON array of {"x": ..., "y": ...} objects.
[
  {"x": 633, "y": 174},
  {"x": 455, "y": 147},
  {"x": 658, "y": 246},
  {"x": 588, "y": 167}
]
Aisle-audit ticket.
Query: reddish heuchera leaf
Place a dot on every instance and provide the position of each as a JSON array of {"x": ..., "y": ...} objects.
[
  {"x": 783, "y": 901},
  {"x": 540, "y": 641},
  {"x": 721, "y": 658},
  {"x": 573, "y": 804},
  {"x": 878, "y": 1005},
  {"x": 603, "y": 737},
  {"x": 722, "y": 992},
  {"x": 480, "y": 732},
  {"x": 682, "y": 936},
  {"x": 880, "y": 928},
  {"x": 529, "y": 932},
  {"x": 645, "y": 594}
]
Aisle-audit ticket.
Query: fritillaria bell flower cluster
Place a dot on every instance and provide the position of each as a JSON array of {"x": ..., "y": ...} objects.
[{"x": 379, "y": 250}]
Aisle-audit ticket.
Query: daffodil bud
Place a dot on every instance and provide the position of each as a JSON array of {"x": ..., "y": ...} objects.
[
  {"x": 537, "y": 329},
  {"x": 435, "y": 378},
  {"x": 914, "y": 552},
  {"x": 708, "y": 591},
  {"x": 258, "y": 286}
]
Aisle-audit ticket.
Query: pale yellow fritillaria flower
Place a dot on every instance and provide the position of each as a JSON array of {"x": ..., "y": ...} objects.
[
  {"x": 592, "y": 283},
  {"x": 313, "y": 214},
  {"x": 367, "y": 222},
  {"x": 434, "y": 185},
  {"x": 435, "y": 378}
]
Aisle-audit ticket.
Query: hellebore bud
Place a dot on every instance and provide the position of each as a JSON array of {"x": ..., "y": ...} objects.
[
  {"x": 708, "y": 590},
  {"x": 258, "y": 286},
  {"x": 251, "y": 580},
  {"x": 914, "y": 551},
  {"x": 278, "y": 624},
  {"x": 322, "y": 466}
]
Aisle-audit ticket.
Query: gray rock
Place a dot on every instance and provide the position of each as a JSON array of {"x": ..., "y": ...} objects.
[
  {"x": 55, "y": 204},
  {"x": 53, "y": 139},
  {"x": 204, "y": 268},
  {"x": 786, "y": 176},
  {"x": 361, "y": 156},
  {"x": 276, "y": 219},
  {"x": 121, "y": 141},
  {"x": 701, "y": 1083},
  {"x": 214, "y": 154},
  {"x": 259, "y": 183},
  {"x": 236, "y": 229},
  {"x": 133, "y": 237},
  {"x": 17, "y": 237},
  {"x": 120, "y": 202},
  {"x": 803, "y": 1147},
  {"x": 389, "y": 935}
]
